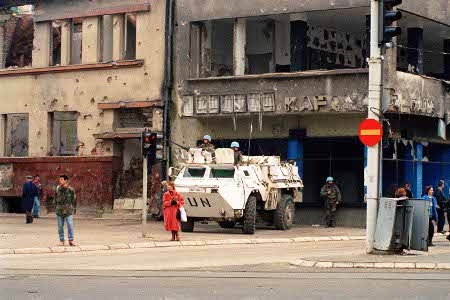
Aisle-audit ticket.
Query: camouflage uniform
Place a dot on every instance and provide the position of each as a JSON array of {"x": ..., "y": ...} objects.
[
  {"x": 65, "y": 201},
  {"x": 208, "y": 147},
  {"x": 238, "y": 158},
  {"x": 330, "y": 202}
]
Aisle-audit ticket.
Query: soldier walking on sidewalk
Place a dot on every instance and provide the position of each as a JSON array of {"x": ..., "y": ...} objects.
[{"x": 331, "y": 195}]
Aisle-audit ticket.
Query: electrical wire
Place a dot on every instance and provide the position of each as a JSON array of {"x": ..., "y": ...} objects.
[{"x": 423, "y": 50}]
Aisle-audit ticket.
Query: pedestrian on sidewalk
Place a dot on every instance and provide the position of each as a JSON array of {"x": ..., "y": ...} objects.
[
  {"x": 29, "y": 192},
  {"x": 65, "y": 208},
  {"x": 401, "y": 193},
  {"x": 440, "y": 199},
  {"x": 331, "y": 195},
  {"x": 407, "y": 187},
  {"x": 433, "y": 213},
  {"x": 37, "y": 199},
  {"x": 172, "y": 201}
]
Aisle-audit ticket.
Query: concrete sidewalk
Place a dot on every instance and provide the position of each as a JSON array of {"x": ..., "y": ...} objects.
[
  {"x": 437, "y": 257},
  {"x": 92, "y": 234}
]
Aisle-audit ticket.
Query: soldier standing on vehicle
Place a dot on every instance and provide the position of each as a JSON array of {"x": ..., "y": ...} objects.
[
  {"x": 332, "y": 196},
  {"x": 206, "y": 145},
  {"x": 237, "y": 154}
]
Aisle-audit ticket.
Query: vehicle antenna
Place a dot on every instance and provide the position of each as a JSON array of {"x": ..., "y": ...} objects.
[{"x": 249, "y": 141}]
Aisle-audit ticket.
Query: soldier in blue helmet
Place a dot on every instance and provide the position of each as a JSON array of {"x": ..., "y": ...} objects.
[
  {"x": 237, "y": 154},
  {"x": 332, "y": 196},
  {"x": 206, "y": 145}
]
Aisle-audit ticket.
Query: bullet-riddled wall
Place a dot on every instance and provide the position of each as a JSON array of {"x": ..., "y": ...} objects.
[{"x": 81, "y": 88}]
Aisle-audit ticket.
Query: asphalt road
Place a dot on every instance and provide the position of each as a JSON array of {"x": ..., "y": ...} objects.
[
  {"x": 213, "y": 272},
  {"x": 176, "y": 258},
  {"x": 234, "y": 285}
]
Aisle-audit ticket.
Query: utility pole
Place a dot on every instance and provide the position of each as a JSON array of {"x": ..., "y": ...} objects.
[{"x": 372, "y": 175}]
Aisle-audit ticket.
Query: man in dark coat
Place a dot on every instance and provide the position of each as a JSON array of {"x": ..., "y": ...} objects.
[
  {"x": 29, "y": 192},
  {"x": 440, "y": 199}
]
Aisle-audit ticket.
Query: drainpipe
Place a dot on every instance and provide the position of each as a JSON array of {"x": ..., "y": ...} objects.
[{"x": 168, "y": 82}]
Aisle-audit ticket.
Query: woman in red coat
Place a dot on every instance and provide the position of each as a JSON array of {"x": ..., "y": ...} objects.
[{"x": 172, "y": 201}]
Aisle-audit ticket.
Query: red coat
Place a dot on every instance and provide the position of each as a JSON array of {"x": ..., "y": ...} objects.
[{"x": 170, "y": 211}]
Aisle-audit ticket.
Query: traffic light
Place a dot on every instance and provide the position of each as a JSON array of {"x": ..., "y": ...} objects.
[
  {"x": 150, "y": 146},
  {"x": 389, "y": 16}
]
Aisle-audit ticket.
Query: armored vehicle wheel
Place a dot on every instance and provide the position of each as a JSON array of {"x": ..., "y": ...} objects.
[
  {"x": 227, "y": 224},
  {"x": 284, "y": 214},
  {"x": 187, "y": 226},
  {"x": 250, "y": 216}
]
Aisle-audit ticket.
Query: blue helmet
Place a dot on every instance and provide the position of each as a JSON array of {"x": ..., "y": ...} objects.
[
  {"x": 234, "y": 144},
  {"x": 207, "y": 137},
  {"x": 330, "y": 179}
]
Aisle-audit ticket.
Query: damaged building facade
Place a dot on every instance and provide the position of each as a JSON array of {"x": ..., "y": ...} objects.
[
  {"x": 290, "y": 78},
  {"x": 79, "y": 81}
]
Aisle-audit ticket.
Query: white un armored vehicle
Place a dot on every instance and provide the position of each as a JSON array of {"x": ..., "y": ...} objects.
[{"x": 260, "y": 190}]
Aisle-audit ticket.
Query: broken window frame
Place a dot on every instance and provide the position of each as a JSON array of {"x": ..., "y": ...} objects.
[
  {"x": 54, "y": 61},
  {"x": 129, "y": 47},
  {"x": 75, "y": 25},
  {"x": 203, "y": 66}
]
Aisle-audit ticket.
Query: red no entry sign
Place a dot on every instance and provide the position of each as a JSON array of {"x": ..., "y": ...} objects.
[{"x": 370, "y": 132}]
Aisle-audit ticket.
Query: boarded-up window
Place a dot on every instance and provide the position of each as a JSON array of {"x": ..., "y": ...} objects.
[
  {"x": 17, "y": 135},
  {"x": 64, "y": 133}
]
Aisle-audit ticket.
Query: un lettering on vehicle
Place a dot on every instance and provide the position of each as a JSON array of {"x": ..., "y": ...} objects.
[{"x": 202, "y": 201}]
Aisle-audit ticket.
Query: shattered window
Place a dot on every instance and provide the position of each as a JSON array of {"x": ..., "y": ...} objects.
[
  {"x": 130, "y": 36},
  {"x": 56, "y": 43},
  {"x": 19, "y": 41}
]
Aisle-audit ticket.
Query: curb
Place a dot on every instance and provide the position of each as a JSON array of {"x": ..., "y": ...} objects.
[
  {"x": 163, "y": 244},
  {"x": 370, "y": 265}
]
